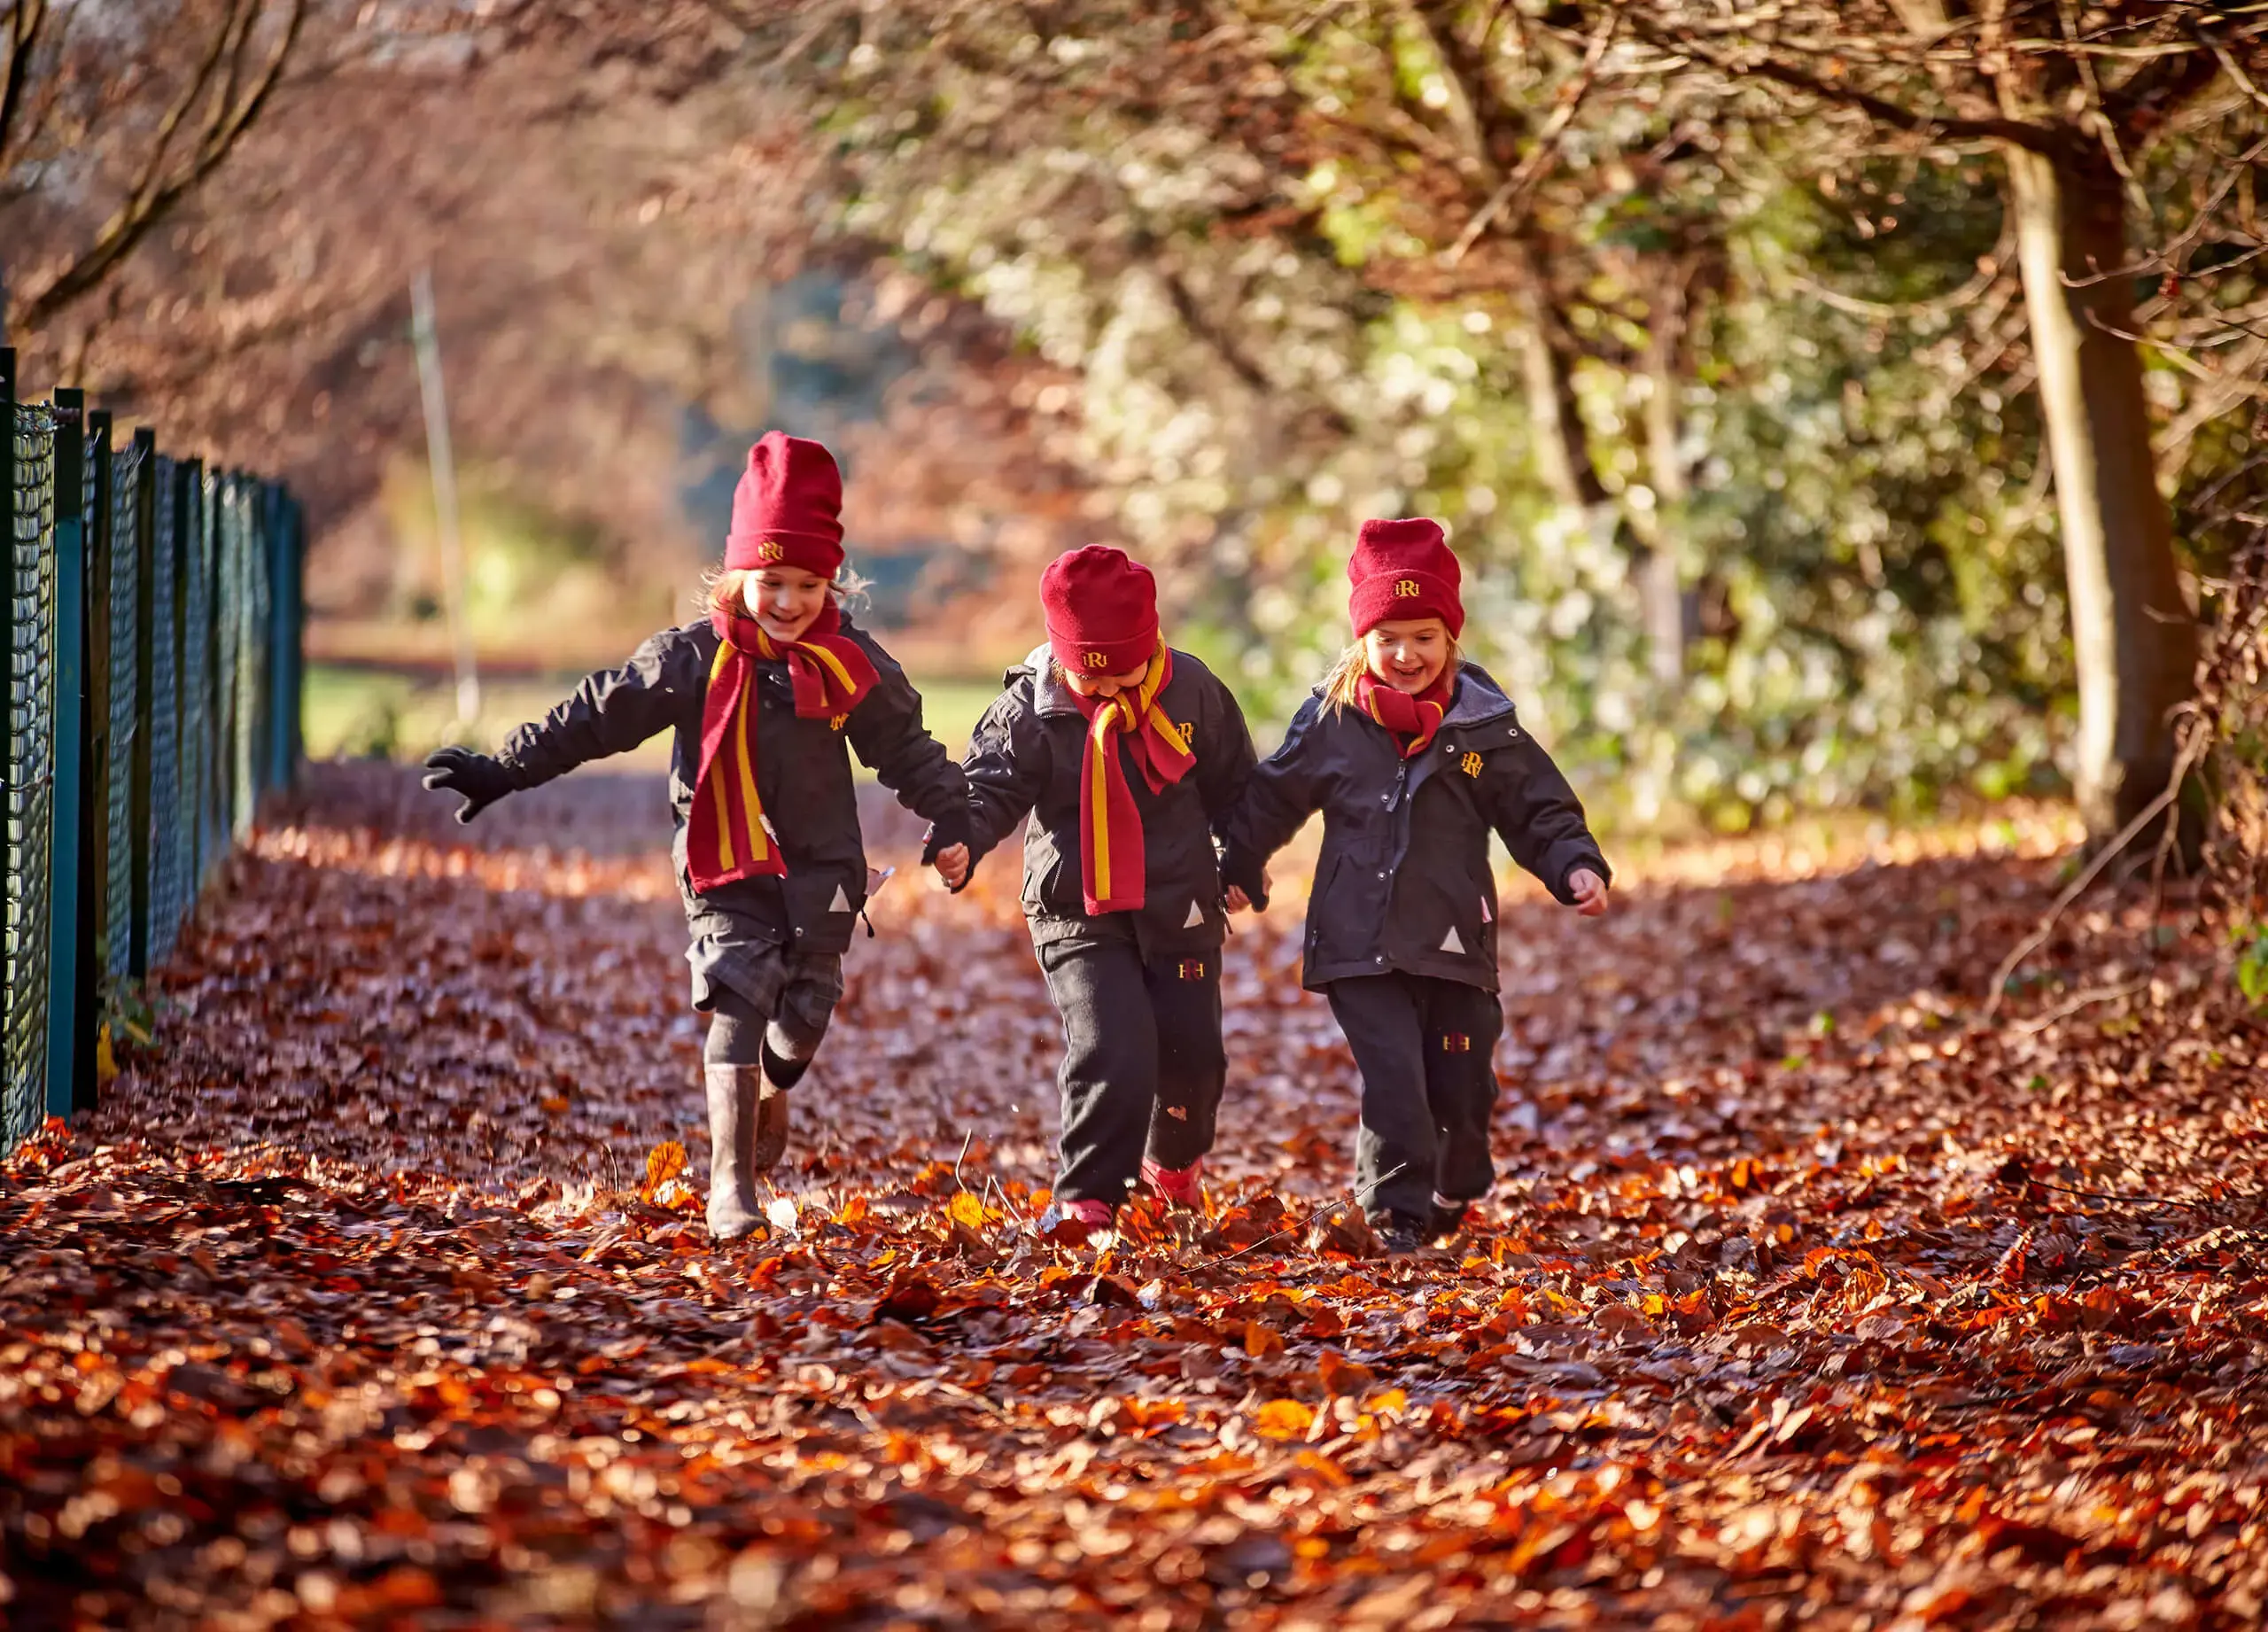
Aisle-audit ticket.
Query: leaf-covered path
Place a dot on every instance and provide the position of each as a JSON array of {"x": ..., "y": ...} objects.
[{"x": 1805, "y": 1296}]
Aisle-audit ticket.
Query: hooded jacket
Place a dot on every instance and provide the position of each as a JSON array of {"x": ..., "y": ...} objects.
[
  {"x": 803, "y": 776},
  {"x": 1024, "y": 759},
  {"x": 1404, "y": 882}
]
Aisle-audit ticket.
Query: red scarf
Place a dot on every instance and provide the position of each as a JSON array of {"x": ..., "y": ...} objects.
[
  {"x": 1113, "y": 871},
  {"x": 726, "y": 836},
  {"x": 1412, "y": 720}
]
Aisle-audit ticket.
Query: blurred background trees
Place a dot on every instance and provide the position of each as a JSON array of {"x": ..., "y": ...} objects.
[{"x": 1833, "y": 403}]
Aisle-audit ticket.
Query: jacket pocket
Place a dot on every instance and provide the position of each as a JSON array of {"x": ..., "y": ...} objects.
[
  {"x": 823, "y": 908},
  {"x": 1042, "y": 880},
  {"x": 1337, "y": 931},
  {"x": 1446, "y": 917}
]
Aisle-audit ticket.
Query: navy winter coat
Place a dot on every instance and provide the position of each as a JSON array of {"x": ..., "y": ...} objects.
[
  {"x": 1025, "y": 758},
  {"x": 1404, "y": 882},
  {"x": 803, "y": 776}
]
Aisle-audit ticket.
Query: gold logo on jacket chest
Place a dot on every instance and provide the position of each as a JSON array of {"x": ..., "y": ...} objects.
[
  {"x": 1470, "y": 765},
  {"x": 838, "y": 722}
]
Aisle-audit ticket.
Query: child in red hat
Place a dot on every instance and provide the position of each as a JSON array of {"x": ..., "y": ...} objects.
[
  {"x": 767, "y": 694},
  {"x": 1128, "y": 756},
  {"x": 1414, "y": 756}
]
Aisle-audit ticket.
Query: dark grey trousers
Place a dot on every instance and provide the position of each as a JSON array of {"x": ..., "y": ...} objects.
[
  {"x": 1142, "y": 1063},
  {"x": 1424, "y": 1047},
  {"x": 793, "y": 996}
]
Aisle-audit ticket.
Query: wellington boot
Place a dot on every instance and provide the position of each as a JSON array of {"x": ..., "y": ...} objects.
[
  {"x": 771, "y": 1122},
  {"x": 736, "y": 1118}
]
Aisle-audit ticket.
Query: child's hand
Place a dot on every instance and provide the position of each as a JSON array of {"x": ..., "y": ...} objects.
[
  {"x": 952, "y": 864},
  {"x": 1589, "y": 890},
  {"x": 476, "y": 778},
  {"x": 1238, "y": 901}
]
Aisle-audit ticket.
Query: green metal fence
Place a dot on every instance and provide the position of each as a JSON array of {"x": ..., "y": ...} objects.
[{"x": 154, "y": 665}]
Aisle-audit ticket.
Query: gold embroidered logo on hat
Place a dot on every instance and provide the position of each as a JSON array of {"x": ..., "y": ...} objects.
[
  {"x": 1097, "y": 660},
  {"x": 1406, "y": 588}
]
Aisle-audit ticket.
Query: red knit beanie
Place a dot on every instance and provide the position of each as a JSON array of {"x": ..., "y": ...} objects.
[
  {"x": 788, "y": 509},
  {"x": 1402, "y": 570},
  {"x": 1102, "y": 611}
]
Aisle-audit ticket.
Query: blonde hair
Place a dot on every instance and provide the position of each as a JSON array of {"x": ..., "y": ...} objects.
[
  {"x": 721, "y": 589},
  {"x": 1338, "y": 685}
]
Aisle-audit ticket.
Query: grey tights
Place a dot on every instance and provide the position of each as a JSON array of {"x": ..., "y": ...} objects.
[{"x": 741, "y": 1034}]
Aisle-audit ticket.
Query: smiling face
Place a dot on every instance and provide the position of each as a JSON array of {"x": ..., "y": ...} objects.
[
  {"x": 784, "y": 601},
  {"x": 1104, "y": 685},
  {"x": 1408, "y": 654}
]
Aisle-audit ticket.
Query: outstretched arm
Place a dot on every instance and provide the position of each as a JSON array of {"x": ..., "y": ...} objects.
[
  {"x": 1008, "y": 762},
  {"x": 1280, "y": 795},
  {"x": 611, "y": 712},
  {"x": 891, "y": 740}
]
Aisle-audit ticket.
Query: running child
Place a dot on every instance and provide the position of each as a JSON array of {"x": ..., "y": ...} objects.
[
  {"x": 1413, "y": 756},
  {"x": 767, "y": 695},
  {"x": 1128, "y": 756}
]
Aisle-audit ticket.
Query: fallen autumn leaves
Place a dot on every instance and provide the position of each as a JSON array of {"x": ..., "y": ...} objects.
[{"x": 1801, "y": 1299}]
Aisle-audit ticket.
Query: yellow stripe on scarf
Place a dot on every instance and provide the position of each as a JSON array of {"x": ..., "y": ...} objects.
[
  {"x": 1119, "y": 714},
  {"x": 716, "y": 784},
  {"x": 744, "y": 764}
]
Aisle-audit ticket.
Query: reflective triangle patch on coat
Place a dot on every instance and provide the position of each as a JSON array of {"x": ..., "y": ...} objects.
[
  {"x": 842, "y": 902},
  {"x": 1196, "y": 917},
  {"x": 1450, "y": 942}
]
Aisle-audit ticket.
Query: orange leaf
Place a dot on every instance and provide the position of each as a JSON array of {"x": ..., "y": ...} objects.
[
  {"x": 1341, "y": 1375},
  {"x": 663, "y": 1164},
  {"x": 966, "y": 1209},
  {"x": 1261, "y": 1340},
  {"x": 1284, "y": 1419}
]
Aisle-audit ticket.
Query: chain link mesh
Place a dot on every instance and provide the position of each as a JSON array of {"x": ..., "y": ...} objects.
[
  {"x": 196, "y": 692},
  {"x": 31, "y": 738},
  {"x": 189, "y": 742},
  {"x": 125, "y": 680},
  {"x": 168, "y": 869}
]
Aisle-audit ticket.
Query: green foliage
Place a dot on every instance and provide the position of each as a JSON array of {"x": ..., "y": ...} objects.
[
  {"x": 1281, "y": 322},
  {"x": 2252, "y": 962}
]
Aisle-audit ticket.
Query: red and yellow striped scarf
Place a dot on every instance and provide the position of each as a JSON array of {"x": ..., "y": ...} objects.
[
  {"x": 726, "y": 835},
  {"x": 1412, "y": 720},
  {"x": 1113, "y": 867}
]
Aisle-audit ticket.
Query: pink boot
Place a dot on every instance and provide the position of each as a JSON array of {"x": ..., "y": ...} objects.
[
  {"x": 1094, "y": 1215},
  {"x": 1178, "y": 1186}
]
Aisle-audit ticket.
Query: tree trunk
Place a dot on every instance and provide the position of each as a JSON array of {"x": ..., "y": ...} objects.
[
  {"x": 2134, "y": 638},
  {"x": 1563, "y": 456},
  {"x": 1660, "y": 591}
]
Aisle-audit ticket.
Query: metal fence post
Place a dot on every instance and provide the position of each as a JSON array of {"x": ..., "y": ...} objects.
[
  {"x": 68, "y": 789},
  {"x": 145, "y": 619},
  {"x": 279, "y": 634},
  {"x": 8, "y": 770},
  {"x": 295, "y": 549},
  {"x": 93, "y": 497}
]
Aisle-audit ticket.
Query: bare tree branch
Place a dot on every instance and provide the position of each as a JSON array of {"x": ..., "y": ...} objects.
[
  {"x": 25, "y": 19},
  {"x": 155, "y": 193},
  {"x": 1512, "y": 192}
]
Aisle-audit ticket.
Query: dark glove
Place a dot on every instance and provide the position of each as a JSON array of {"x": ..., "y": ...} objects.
[
  {"x": 482, "y": 781},
  {"x": 1240, "y": 866}
]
